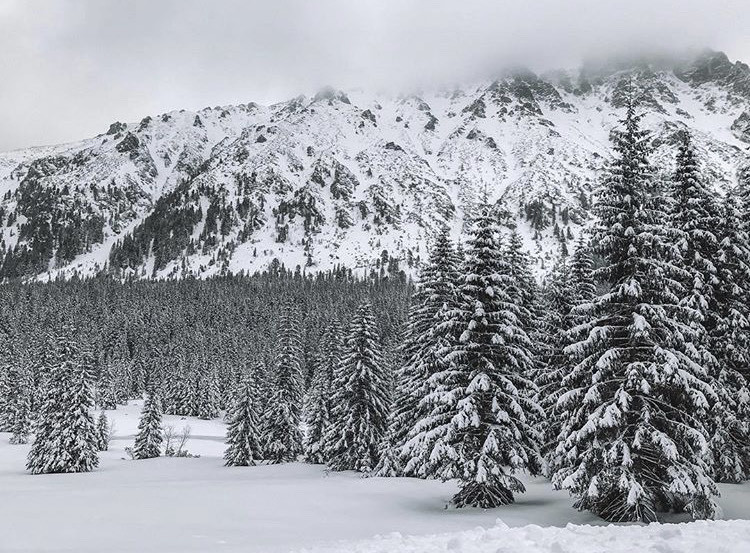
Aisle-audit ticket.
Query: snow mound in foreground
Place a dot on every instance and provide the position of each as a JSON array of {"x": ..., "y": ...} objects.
[{"x": 725, "y": 536}]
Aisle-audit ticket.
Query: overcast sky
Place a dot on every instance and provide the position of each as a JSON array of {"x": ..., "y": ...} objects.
[{"x": 68, "y": 68}]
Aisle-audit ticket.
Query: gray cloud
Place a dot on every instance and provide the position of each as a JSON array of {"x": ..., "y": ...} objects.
[{"x": 70, "y": 67}]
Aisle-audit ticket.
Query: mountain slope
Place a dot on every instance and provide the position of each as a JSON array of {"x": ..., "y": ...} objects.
[{"x": 353, "y": 178}]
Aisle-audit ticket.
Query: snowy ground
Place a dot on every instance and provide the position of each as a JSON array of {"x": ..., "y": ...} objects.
[
  {"x": 696, "y": 537},
  {"x": 189, "y": 505}
]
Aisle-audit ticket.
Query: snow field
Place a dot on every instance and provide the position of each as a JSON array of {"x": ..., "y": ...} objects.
[{"x": 170, "y": 505}]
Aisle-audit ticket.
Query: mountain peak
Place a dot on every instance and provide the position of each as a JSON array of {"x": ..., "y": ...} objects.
[
  {"x": 330, "y": 94},
  {"x": 715, "y": 67}
]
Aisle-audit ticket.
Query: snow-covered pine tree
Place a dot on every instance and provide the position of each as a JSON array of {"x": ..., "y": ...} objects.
[
  {"x": 320, "y": 401},
  {"x": 6, "y": 413},
  {"x": 283, "y": 440},
  {"x": 733, "y": 289},
  {"x": 695, "y": 217},
  {"x": 390, "y": 464},
  {"x": 102, "y": 432},
  {"x": 389, "y": 451},
  {"x": 150, "y": 434},
  {"x": 557, "y": 299},
  {"x": 737, "y": 209},
  {"x": 22, "y": 425},
  {"x": 243, "y": 428},
  {"x": 633, "y": 442},
  {"x": 361, "y": 398},
  {"x": 65, "y": 438},
  {"x": 729, "y": 341},
  {"x": 570, "y": 284},
  {"x": 15, "y": 396},
  {"x": 317, "y": 416},
  {"x": 20, "y": 407},
  {"x": 479, "y": 429},
  {"x": 434, "y": 296},
  {"x": 700, "y": 222},
  {"x": 524, "y": 294},
  {"x": 403, "y": 390}
]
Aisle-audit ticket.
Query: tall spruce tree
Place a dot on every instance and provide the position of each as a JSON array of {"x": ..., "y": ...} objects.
[
  {"x": 320, "y": 401},
  {"x": 737, "y": 234},
  {"x": 6, "y": 414},
  {"x": 695, "y": 217},
  {"x": 633, "y": 442},
  {"x": 22, "y": 425},
  {"x": 361, "y": 400},
  {"x": 729, "y": 340},
  {"x": 524, "y": 294},
  {"x": 65, "y": 438},
  {"x": 434, "y": 297},
  {"x": 700, "y": 224},
  {"x": 150, "y": 434},
  {"x": 479, "y": 427},
  {"x": 390, "y": 463},
  {"x": 389, "y": 454},
  {"x": 243, "y": 429},
  {"x": 283, "y": 417},
  {"x": 102, "y": 432},
  {"x": 557, "y": 299},
  {"x": 570, "y": 284},
  {"x": 19, "y": 392}
]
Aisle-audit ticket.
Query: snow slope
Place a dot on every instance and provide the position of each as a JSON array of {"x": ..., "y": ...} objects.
[
  {"x": 353, "y": 177},
  {"x": 197, "y": 505}
]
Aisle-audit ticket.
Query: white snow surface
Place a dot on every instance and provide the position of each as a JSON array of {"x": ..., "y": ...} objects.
[
  {"x": 183, "y": 505},
  {"x": 699, "y": 537}
]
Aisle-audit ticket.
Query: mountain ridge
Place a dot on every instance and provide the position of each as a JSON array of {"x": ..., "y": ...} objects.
[{"x": 350, "y": 177}]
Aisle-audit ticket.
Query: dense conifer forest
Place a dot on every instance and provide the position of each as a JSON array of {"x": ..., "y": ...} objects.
[{"x": 135, "y": 336}]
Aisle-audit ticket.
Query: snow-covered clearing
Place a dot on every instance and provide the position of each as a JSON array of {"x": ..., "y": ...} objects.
[{"x": 196, "y": 504}]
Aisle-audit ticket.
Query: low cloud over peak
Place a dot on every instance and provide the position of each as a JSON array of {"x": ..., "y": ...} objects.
[{"x": 70, "y": 68}]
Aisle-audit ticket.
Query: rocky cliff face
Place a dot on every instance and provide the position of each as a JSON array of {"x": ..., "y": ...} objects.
[{"x": 352, "y": 178}]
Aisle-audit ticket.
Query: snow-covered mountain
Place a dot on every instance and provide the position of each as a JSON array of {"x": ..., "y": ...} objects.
[{"x": 353, "y": 178}]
